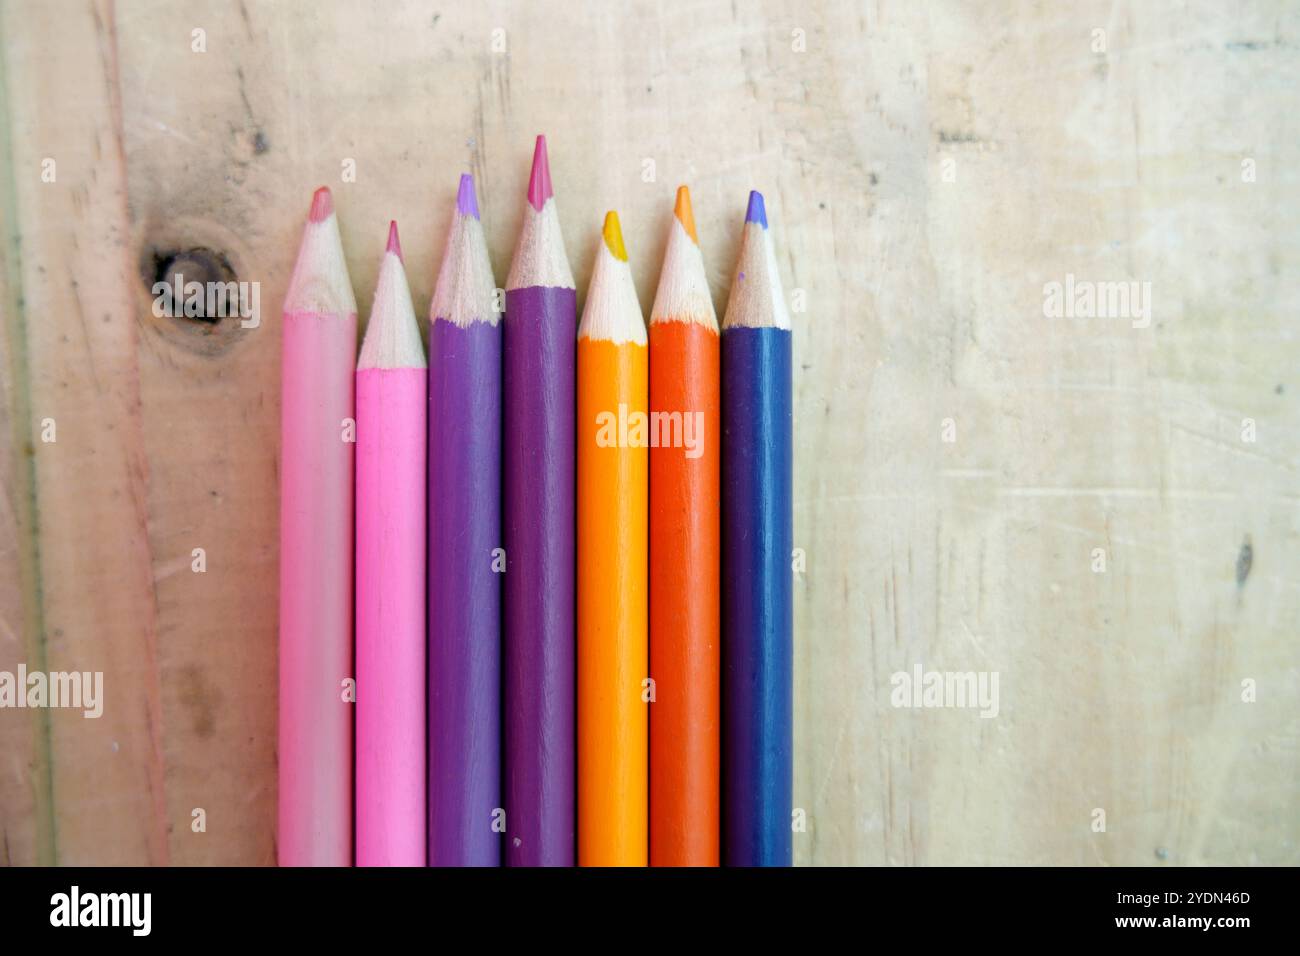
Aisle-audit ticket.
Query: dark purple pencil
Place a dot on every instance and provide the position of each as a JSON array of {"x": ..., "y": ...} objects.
[
  {"x": 538, "y": 500},
  {"x": 465, "y": 556}
]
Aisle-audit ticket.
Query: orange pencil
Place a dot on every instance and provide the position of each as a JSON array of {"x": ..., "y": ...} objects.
[
  {"x": 685, "y": 441},
  {"x": 612, "y": 484}
]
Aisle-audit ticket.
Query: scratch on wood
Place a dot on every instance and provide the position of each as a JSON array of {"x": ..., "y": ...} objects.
[
  {"x": 893, "y": 586},
  {"x": 85, "y": 333}
]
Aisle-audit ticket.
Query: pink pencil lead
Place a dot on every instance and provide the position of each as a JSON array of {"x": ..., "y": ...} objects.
[
  {"x": 322, "y": 204},
  {"x": 394, "y": 244},
  {"x": 539, "y": 180}
]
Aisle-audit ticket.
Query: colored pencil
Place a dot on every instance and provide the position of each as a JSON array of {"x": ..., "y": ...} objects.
[
  {"x": 685, "y": 452},
  {"x": 318, "y": 363},
  {"x": 613, "y": 370},
  {"x": 538, "y": 344},
  {"x": 391, "y": 397},
  {"x": 464, "y": 549},
  {"x": 757, "y": 625}
]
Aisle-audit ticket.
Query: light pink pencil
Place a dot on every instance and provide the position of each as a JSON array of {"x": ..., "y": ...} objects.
[
  {"x": 392, "y": 400},
  {"x": 316, "y": 446}
]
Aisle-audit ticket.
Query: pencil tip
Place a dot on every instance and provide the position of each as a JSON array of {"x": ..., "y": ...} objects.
[
  {"x": 539, "y": 180},
  {"x": 685, "y": 215},
  {"x": 394, "y": 244},
  {"x": 756, "y": 212},
  {"x": 322, "y": 204},
  {"x": 466, "y": 201},
  {"x": 614, "y": 236}
]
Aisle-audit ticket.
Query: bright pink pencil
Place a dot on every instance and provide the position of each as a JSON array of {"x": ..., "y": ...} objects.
[
  {"x": 391, "y": 418},
  {"x": 317, "y": 374}
]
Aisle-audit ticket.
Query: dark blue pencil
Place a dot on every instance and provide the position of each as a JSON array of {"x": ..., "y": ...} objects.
[{"x": 757, "y": 533}]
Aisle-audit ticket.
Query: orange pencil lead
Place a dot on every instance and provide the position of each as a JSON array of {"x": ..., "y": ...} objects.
[{"x": 685, "y": 215}]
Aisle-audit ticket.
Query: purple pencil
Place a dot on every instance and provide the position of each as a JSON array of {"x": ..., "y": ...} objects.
[
  {"x": 465, "y": 556},
  {"x": 538, "y": 498}
]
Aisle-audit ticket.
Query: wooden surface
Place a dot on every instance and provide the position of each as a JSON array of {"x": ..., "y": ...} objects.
[{"x": 923, "y": 281}]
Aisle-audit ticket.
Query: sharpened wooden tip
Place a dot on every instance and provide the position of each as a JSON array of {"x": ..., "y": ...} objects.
[
  {"x": 614, "y": 236},
  {"x": 685, "y": 215},
  {"x": 539, "y": 180},
  {"x": 394, "y": 244},
  {"x": 322, "y": 204}
]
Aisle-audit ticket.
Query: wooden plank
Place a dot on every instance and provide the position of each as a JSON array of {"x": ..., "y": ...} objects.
[
  {"x": 26, "y": 804},
  {"x": 928, "y": 169},
  {"x": 89, "y": 604}
]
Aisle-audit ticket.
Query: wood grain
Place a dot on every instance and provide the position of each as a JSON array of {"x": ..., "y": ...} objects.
[{"x": 928, "y": 168}]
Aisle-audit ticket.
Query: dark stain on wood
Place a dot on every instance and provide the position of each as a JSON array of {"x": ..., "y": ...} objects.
[
  {"x": 201, "y": 699},
  {"x": 197, "y": 264},
  {"x": 1245, "y": 558},
  {"x": 207, "y": 327}
]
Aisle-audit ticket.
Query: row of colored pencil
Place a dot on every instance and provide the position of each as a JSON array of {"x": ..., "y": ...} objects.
[{"x": 500, "y": 700}]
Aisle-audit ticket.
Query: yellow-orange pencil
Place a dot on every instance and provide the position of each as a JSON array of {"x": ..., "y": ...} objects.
[{"x": 612, "y": 439}]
